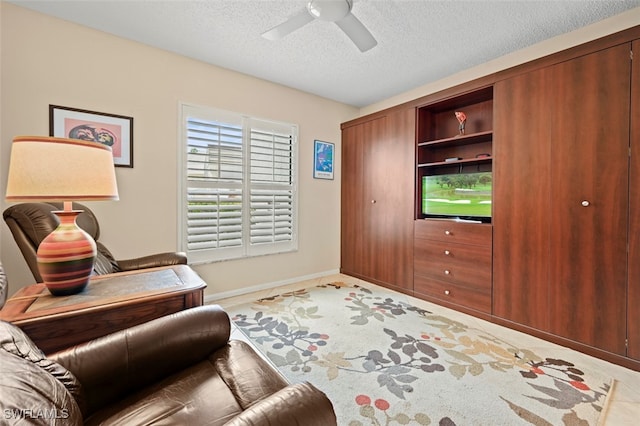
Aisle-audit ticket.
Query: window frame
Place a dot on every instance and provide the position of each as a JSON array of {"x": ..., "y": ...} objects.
[{"x": 247, "y": 249}]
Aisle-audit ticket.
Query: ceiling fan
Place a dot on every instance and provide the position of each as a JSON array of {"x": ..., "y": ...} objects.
[{"x": 338, "y": 11}]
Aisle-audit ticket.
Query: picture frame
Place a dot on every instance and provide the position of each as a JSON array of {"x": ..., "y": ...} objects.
[
  {"x": 112, "y": 130},
  {"x": 323, "y": 159}
]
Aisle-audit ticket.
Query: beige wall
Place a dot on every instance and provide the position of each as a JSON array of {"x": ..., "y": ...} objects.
[
  {"x": 600, "y": 29},
  {"x": 49, "y": 61}
]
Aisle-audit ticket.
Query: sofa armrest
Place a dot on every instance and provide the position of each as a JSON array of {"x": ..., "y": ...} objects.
[
  {"x": 298, "y": 404},
  {"x": 118, "y": 364},
  {"x": 153, "y": 261}
]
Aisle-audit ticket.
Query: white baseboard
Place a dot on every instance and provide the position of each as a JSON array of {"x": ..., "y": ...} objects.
[{"x": 209, "y": 298}]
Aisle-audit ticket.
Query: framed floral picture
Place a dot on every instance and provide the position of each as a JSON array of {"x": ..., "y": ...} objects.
[
  {"x": 323, "y": 157},
  {"x": 113, "y": 130}
]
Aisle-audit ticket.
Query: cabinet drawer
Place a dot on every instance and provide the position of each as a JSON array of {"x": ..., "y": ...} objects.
[
  {"x": 471, "y": 298},
  {"x": 455, "y": 263},
  {"x": 456, "y": 232}
]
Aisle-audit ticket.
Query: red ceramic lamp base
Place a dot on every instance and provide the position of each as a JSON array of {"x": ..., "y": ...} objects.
[{"x": 66, "y": 256}]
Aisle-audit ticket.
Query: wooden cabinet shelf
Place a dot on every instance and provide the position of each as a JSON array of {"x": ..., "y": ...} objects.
[
  {"x": 466, "y": 147},
  {"x": 459, "y": 140},
  {"x": 464, "y": 161}
]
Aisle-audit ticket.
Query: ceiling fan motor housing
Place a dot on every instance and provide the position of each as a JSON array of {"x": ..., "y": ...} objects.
[{"x": 329, "y": 10}]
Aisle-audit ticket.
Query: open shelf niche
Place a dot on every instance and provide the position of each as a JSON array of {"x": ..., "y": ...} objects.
[{"x": 441, "y": 149}]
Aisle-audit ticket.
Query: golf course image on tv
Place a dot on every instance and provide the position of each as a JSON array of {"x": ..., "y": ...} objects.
[{"x": 463, "y": 195}]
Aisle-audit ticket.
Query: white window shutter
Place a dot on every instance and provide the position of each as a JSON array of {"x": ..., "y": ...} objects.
[{"x": 239, "y": 186}]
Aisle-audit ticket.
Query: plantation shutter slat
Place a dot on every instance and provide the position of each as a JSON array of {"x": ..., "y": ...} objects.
[
  {"x": 215, "y": 151},
  {"x": 272, "y": 185},
  {"x": 271, "y": 216},
  {"x": 214, "y": 212}
]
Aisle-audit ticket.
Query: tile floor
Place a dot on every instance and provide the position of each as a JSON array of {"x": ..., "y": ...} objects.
[{"x": 624, "y": 399}]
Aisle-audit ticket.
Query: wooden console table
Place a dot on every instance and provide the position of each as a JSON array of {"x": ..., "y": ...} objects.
[{"x": 109, "y": 303}]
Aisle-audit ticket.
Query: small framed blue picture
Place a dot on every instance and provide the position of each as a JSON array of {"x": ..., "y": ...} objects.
[{"x": 323, "y": 157}]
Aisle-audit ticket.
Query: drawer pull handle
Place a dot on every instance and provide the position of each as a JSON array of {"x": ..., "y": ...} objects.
[
  {"x": 447, "y": 252},
  {"x": 373, "y": 201},
  {"x": 447, "y": 272},
  {"x": 447, "y": 232},
  {"x": 585, "y": 203},
  {"x": 447, "y": 292}
]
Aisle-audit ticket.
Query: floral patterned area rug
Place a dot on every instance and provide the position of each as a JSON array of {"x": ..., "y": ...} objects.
[{"x": 383, "y": 361}]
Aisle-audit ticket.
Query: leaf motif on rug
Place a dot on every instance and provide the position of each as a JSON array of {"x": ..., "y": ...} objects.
[{"x": 383, "y": 361}]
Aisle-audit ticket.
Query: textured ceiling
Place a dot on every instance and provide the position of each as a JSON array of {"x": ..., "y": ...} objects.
[{"x": 418, "y": 41}]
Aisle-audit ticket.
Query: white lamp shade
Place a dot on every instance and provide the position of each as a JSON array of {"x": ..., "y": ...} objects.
[{"x": 59, "y": 169}]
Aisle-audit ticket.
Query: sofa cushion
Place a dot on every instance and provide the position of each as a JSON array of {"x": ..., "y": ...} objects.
[
  {"x": 218, "y": 389},
  {"x": 185, "y": 398},
  {"x": 141, "y": 356},
  {"x": 33, "y": 389}
]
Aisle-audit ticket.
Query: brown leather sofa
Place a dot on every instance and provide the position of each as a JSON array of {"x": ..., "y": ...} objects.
[
  {"x": 181, "y": 369},
  {"x": 30, "y": 223}
]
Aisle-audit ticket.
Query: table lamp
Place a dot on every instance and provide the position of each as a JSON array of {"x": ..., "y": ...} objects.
[{"x": 43, "y": 169}]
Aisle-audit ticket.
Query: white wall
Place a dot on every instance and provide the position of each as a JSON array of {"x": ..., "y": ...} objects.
[{"x": 49, "y": 61}]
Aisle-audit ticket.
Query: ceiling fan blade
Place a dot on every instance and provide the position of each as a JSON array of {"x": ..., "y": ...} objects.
[
  {"x": 357, "y": 32},
  {"x": 287, "y": 27}
]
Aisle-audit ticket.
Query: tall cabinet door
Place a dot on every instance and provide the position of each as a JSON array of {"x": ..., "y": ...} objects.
[
  {"x": 633, "y": 285},
  {"x": 389, "y": 162},
  {"x": 590, "y": 199},
  {"x": 355, "y": 247},
  {"x": 521, "y": 199},
  {"x": 377, "y": 200},
  {"x": 561, "y": 198}
]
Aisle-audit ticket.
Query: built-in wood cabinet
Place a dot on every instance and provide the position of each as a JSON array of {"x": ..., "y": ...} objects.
[
  {"x": 633, "y": 289},
  {"x": 452, "y": 254},
  {"x": 590, "y": 199},
  {"x": 562, "y": 198},
  {"x": 355, "y": 256},
  {"x": 377, "y": 199},
  {"x": 560, "y": 257},
  {"x": 521, "y": 202},
  {"x": 452, "y": 263}
]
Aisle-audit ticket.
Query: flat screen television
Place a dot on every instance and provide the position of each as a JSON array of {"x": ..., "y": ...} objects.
[{"x": 465, "y": 196}]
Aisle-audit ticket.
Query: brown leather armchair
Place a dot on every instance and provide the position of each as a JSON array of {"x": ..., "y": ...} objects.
[
  {"x": 180, "y": 369},
  {"x": 30, "y": 223}
]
